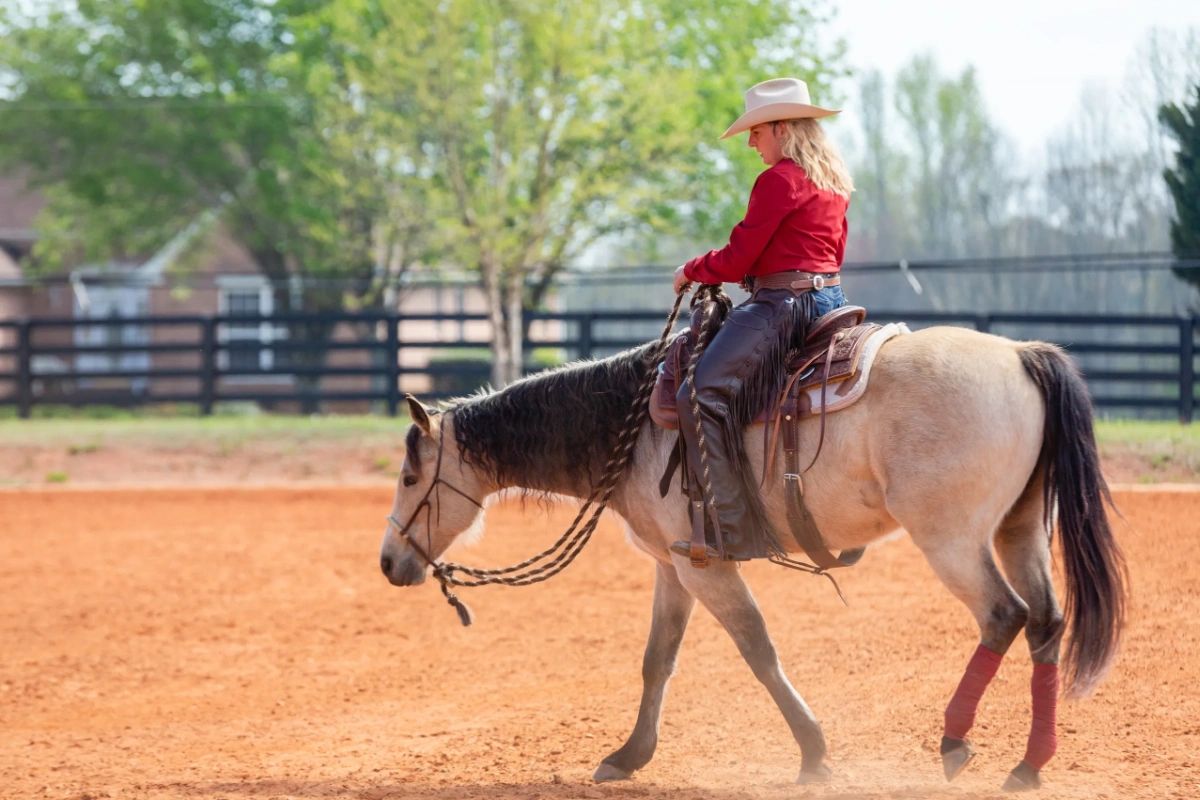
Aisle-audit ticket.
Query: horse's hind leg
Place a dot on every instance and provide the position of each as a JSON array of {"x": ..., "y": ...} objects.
[
  {"x": 965, "y": 565},
  {"x": 723, "y": 592},
  {"x": 1023, "y": 544},
  {"x": 672, "y": 609}
]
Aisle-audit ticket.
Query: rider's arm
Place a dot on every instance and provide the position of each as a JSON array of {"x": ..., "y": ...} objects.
[{"x": 771, "y": 200}]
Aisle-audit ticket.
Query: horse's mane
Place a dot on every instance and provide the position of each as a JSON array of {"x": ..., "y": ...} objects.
[{"x": 562, "y": 422}]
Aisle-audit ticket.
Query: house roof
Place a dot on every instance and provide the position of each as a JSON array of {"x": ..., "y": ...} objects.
[
  {"x": 9, "y": 271},
  {"x": 20, "y": 205}
]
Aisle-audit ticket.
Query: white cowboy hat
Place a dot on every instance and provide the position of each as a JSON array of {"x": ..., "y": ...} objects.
[{"x": 777, "y": 99}]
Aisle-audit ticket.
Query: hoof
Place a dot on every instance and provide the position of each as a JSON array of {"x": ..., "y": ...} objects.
[
  {"x": 818, "y": 774},
  {"x": 956, "y": 754},
  {"x": 610, "y": 772},
  {"x": 1022, "y": 779}
]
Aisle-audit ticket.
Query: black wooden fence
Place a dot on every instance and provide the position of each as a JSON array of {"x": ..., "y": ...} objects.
[{"x": 1134, "y": 364}]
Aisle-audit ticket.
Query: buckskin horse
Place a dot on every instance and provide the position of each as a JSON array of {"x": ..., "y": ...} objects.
[{"x": 969, "y": 442}]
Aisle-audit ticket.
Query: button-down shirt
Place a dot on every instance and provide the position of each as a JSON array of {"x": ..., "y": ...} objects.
[{"x": 789, "y": 224}]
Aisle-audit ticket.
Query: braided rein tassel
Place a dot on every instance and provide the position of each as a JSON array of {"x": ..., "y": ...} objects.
[{"x": 464, "y": 613}]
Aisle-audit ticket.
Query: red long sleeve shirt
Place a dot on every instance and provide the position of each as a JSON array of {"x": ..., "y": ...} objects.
[{"x": 789, "y": 224}]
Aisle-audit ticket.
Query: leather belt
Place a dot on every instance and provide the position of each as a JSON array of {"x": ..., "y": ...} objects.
[{"x": 796, "y": 280}]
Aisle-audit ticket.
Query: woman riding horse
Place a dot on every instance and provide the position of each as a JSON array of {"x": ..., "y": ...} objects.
[
  {"x": 787, "y": 252},
  {"x": 970, "y": 442}
]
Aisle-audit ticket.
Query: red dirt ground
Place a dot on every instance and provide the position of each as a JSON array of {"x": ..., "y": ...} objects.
[{"x": 241, "y": 643}]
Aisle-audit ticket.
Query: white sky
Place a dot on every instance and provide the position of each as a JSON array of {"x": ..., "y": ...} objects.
[{"x": 1032, "y": 57}]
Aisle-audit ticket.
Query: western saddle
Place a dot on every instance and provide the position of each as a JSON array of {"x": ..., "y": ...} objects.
[{"x": 830, "y": 358}]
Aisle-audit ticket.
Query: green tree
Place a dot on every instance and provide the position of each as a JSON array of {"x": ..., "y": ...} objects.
[
  {"x": 1183, "y": 181},
  {"x": 959, "y": 186},
  {"x": 548, "y": 125},
  {"x": 139, "y": 118},
  {"x": 880, "y": 214}
]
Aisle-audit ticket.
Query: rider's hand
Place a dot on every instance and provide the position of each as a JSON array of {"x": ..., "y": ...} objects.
[{"x": 681, "y": 280}]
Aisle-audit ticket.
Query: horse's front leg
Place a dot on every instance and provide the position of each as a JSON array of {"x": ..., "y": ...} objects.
[
  {"x": 672, "y": 609},
  {"x": 723, "y": 592}
]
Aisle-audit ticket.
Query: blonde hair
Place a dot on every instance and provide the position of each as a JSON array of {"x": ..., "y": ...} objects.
[{"x": 804, "y": 141}]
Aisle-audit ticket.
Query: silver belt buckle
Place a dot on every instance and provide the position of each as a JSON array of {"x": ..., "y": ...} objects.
[{"x": 818, "y": 282}]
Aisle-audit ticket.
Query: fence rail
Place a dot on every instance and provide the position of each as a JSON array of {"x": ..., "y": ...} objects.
[{"x": 1138, "y": 364}]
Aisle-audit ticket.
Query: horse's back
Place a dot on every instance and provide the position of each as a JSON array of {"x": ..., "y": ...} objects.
[
  {"x": 949, "y": 428},
  {"x": 955, "y": 417},
  {"x": 962, "y": 376}
]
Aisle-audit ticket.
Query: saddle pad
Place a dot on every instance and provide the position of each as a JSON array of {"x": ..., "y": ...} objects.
[
  {"x": 846, "y": 392},
  {"x": 840, "y": 392}
]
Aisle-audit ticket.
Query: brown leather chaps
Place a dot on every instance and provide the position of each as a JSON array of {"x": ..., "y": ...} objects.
[{"x": 739, "y": 374}]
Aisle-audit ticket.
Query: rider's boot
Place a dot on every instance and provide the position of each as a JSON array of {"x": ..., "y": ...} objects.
[
  {"x": 730, "y": 534},
  {"x": 733, "y": 373},
  {"x": 732, "y": 545}
]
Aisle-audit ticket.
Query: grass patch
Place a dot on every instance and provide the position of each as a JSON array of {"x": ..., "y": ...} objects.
[
  {"x": 1145, "y": 450},
  {"x": 88, "y": 434},
  {"x": 1132, "y": 431},
  {"x": 1167, "y": 450},
  {"x": 223, "y": 432}
]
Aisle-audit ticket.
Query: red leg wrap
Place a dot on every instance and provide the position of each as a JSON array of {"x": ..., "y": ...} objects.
[
  {"x": 1042, "y": 739},
  {"x": 960, "y": 714}
]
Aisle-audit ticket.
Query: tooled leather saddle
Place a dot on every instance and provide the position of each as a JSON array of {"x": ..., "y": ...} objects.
[
  {"x": 829, "y": 373},
  {"x": 837, "y": 340}
]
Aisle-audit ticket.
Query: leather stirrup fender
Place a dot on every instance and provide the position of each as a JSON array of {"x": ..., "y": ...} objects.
[{"x": 804, "y": 527}]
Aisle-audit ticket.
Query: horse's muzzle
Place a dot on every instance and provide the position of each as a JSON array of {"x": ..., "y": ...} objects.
[{"x": 405, "y": 572}]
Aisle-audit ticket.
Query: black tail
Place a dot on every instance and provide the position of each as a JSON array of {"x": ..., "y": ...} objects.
[{"x": 1095, "y": 569}]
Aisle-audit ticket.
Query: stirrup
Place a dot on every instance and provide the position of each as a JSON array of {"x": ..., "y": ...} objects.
[{"x": 683, "y": 547}]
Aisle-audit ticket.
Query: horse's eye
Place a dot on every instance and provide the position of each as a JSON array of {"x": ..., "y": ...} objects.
[{"x": 410, "y": 480}]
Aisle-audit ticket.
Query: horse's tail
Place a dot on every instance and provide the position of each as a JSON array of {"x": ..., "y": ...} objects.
[{"x": 1095, "y": 569}]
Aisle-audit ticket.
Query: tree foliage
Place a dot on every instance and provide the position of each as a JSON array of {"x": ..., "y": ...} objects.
[
  {"x": 957, "y": 177},
  {"x": 345, "y": 141},
  {"x": 932, "y": 173},
  {"x": 139, "y": 116},
  {"x": 539, "y": 127},
  {"x": 1183, "y": 180}
]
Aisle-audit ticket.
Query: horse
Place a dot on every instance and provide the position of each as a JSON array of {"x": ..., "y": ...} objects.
[{"x": 969, "y": 442}]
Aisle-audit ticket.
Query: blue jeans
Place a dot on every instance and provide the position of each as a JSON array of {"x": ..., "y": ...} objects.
[{"x": 828, "y": 299}]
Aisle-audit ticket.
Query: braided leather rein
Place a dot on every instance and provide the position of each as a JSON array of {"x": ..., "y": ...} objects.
[
  {"x": 709, "y": 298},
  {"x": 559, "y": 555}
]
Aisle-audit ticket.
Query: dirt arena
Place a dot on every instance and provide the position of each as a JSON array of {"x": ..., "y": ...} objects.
[{"x": 241, "y": 643}]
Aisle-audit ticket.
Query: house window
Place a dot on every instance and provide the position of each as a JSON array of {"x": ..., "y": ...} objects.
[
  {"x": 247, "y": 345},
  {"x": 118, "y": 304},
  {"x": 244, "y": 341}
]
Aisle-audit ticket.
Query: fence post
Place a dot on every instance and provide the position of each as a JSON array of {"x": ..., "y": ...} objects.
[
  {"x": 208, "y": 365},
  {"x": 393, "y": 364},
  {"x": 585, "y": 335},
  {"x": 1187, "y": 368},
  {"x": 24, "y": 368}
]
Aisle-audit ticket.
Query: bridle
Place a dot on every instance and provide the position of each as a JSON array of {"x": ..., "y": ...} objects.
[{"x": 403, "y": 531}]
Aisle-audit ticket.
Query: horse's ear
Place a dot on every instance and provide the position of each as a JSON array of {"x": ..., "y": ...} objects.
[{"x": 418, "y": 413}]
